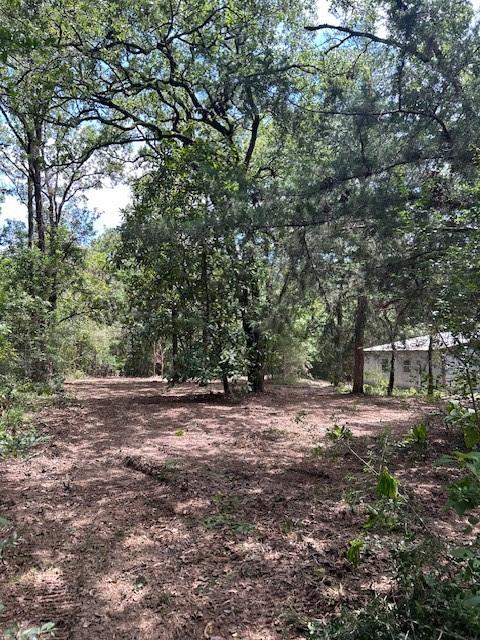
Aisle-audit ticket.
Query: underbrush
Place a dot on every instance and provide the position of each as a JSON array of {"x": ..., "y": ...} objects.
[
  {"x": 435, "y": 593},
  {"x": 18, "y": 402},
  {"x": 380, "y": 389},
  {"x": 18, "y": 435},
  {"x": 15, "y": 632}
]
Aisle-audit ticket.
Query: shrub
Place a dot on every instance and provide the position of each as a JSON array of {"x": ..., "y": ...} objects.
[
  {"x": 439, "y": 602},
  {"x": 467, "y": 420},
  {"x": 418, "y": 435}
]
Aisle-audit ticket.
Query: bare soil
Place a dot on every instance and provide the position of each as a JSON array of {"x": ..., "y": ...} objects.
[{"x": 175, "y": 514}]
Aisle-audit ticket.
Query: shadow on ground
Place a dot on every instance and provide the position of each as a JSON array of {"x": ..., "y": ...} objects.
[{"x": 170, "y": 514}]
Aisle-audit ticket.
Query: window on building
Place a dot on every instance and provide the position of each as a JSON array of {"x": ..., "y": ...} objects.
[
  {"x": 406, "y": 366},
  {"x": 385, "y": 365}
]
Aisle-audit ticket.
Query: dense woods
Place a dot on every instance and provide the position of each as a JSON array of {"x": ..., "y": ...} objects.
[{"x": 302, "y": 188}]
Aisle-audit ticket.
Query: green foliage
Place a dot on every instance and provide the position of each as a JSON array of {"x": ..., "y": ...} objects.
[
  {"x": 227, "y": 505},
  {"x": 387, "y": 485},
  {"x": 12, "y": 419},
  {"x": 16, "y": 632},
  {"x": 352, "y": 498},
  {"x": 464, "y": 494},
  {"x": 466, "y": 419},
  {"x": 354, "y": 551},
  {"x": 339, "y": 433},
  {"x": 382, "y": 514},
  {"x": 283, "y": 177},
  {"x": 432, "y": 600},
  {"x": 8, "y": 539},
  {"x": 418, "y": 435},
  {"x": 221, "y": 520},
  {"x": 19, "y": 445},
  {"x": 17, "y": 435}
]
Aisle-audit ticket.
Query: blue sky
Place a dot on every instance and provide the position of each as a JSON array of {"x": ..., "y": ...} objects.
[{"x": 108, "y": 202}]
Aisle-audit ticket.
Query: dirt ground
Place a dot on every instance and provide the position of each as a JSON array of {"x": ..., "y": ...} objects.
[{"x": 154, "y": 513}]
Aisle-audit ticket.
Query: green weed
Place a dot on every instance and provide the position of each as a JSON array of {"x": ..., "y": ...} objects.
[
  {"x": 418, "y": 435},
  {"x": 15, "y": 632},
  {"x": 354, "y": 551}
]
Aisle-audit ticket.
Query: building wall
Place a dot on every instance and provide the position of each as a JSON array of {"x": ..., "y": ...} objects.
[{"x": 411, "y": 368}]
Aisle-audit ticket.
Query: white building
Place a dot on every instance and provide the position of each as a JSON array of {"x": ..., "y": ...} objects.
[{"x": 411, "y": 361}]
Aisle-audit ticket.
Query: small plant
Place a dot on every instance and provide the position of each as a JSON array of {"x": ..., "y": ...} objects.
[
  {"x": 180, "y": 432},
  {"x": 13, "y": 419},
  {"x": 242, "y": 528},
  {"x": 139, "y": 583},
  {"x": 438, "y": 602},
  {"x": 63, "y": 399},
  {"x": 387, "y": 485},
  {"x": 352, "y": 498},
  {"x": 299, "y": 417},
  {"x": 226, "y": 503},
  {"x": 17, "y": 445},
  {"x": 418, "y": 435},
  {"x": 464, "y": 494},
  {"x": 220, "y": 520},
  {"x": 369, "y": 463},
  {"x": 467, "y": 420},
  {"x": 354, "y": 551},
  {"x": 272, "y": 434},
  {"x": 32, "y": 633},
  {"x": 287, "y": 526},
  {"x": 338, "y": 433},
  {"x": 217, "y": 520},
  {"x": 7, "y": 540},
  {"x": 382, "y": 514},
  {"x": 10, "y": 541}
]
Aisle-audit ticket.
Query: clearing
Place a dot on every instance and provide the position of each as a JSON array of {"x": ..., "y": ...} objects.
[{"x": 156, "y": 513}]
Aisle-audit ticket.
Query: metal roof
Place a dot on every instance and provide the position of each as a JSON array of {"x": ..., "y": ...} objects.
[{"x": 442, "y": 340}]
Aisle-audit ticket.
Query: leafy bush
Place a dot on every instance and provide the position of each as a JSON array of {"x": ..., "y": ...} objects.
[
  {"x": 437, "y": 586},
  {"x": 418, "y": 435},
  {"x": 466, "y": 419},
  {"x": 15, "y": 632},
  {"x": 387, "y": 485},
  {"x": 17, "y": 436},
  {"x": 464, "y": 494},
  {"x": 440, "y": 602},
  {"x": 354, "y": 551},
  {"x": 338, "y": 433},
  {"x": 18, "y": 445}
]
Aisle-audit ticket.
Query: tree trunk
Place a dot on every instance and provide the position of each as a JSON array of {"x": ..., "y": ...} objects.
[
  {"x": 359, "y": 343},
  {"x": 391, "y": 379},
  {"x": 36, "y": 162},
  {"x": 338, "y": 347},
  {"x": 175, "y": 374},
  {"x": 430, "y": 367},
  {"x": 30, "y": 207},
  {"x": 255, "y": 374},
  {"x": 226, "y": 385}
]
